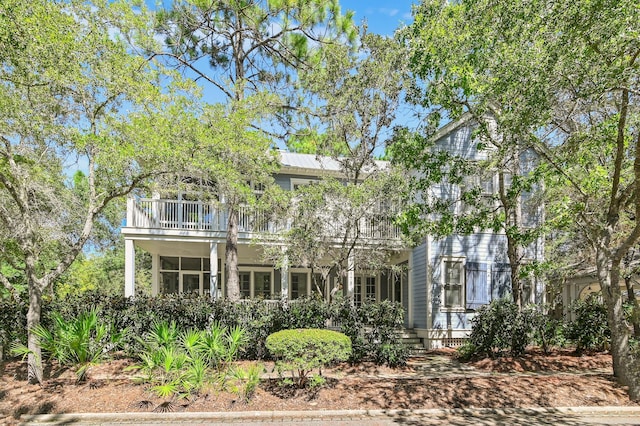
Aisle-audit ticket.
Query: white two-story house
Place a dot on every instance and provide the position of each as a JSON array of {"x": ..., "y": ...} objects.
[{"x": 441, "y": 283}]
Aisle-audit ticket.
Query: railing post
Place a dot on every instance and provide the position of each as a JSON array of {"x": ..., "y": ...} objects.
[
  {"x": 130, "y": 207},
  {"x": 155, "y": 219}
]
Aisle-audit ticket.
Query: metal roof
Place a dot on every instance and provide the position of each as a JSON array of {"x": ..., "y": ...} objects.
[{"x": 315, "y": 162}]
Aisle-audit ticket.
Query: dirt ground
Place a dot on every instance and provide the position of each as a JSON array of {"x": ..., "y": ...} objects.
[{"x": 436, "y": 381}]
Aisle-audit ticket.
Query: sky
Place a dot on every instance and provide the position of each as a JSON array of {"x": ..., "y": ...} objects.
[{"x": 382, "y": 16}]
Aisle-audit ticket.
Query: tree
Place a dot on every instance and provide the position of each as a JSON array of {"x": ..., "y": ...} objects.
[
  {"x": 72, "y": 97},
  {"x": 103, "y": 272},
  {"x": 495, "y": 189},
  {"x": 244, "y": 48},
  {"x": 562, "y": 79},
  {"x": 352, "y": 99}
]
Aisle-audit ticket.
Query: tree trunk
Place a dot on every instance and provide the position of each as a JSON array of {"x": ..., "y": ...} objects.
[
  {"x": 514, "y": 253},
  {"x": 635, "y": 309},
  {"x": 625, "y": 367},
  {"x": 231, "y": 256},
  {"x": 34, "y": 359}
]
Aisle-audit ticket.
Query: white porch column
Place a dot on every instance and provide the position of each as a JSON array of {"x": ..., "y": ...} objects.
[
  {"x": 351, "y": 277},
  {"x": 284, "y": 278},
  {"x": 129, "y": 268},
  {"x": 213, "y": 265},
  {"x": 155, "y": 274}
]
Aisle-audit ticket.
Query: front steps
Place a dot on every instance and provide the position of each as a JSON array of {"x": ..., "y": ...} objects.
[{"x": 413, "y": 343}]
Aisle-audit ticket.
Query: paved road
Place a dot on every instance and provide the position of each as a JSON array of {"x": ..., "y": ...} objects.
[{"x": 487, "y": 417}]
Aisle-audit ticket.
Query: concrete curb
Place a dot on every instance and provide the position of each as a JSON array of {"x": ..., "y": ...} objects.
[{"x": 236, "y": 416}]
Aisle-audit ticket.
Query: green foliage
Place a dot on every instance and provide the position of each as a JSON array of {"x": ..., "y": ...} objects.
[
  {"x": 108, "y": 112},
  {"x": 303, "y": 350},
  {"x": 13, "y": 323},
  {"x": 306, "y": 312},
  {"x": 374, "y": 329},
  {"x": 81, "y": 342},
  {"x": 467, "y": 351},
  {"x": 245, "y": 380},
  {"x": 501, "y": 327},
  {"x": 103, "y": 272},
  {"x": 548, "y": 332},
  {"x": 186, "y": 362},
  {"x": 590, "y": 329}
]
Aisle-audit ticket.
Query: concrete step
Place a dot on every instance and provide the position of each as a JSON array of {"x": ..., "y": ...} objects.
[{"x": 414, "y": 346}]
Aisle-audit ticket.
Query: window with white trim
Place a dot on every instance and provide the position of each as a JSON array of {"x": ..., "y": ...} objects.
[
  {"x": 296, "y": 183},
  {"x": 244, "y": 281},
  {"x": 364, "y": 286},
  {"x": 184, "y": 275},
  {"x": 453, "y": 283},
  {"x": 262, "y": 284}
]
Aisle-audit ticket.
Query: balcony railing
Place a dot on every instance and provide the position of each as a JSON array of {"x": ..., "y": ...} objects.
[{"x": 153, "y": 213}]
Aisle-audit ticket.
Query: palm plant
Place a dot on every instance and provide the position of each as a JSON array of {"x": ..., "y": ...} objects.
[
  {"x": 176, "y": 362},
  {"x": 80, "y": 342}
]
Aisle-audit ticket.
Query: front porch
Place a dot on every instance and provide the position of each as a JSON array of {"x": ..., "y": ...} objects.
[{"x": 191, "y": 266}]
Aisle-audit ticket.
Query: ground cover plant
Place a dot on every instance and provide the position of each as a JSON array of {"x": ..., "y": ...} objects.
[
  {"x": 178, "y": 362},
  {"x": 80, "y": 342}
]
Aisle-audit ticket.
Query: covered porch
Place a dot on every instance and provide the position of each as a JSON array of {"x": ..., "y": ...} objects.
[{"x": 188, "y": 265}]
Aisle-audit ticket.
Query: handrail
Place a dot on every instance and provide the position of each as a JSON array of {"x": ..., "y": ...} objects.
[{"x": 155, "y": 213}]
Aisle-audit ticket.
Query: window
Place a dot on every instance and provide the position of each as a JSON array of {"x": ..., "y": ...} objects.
[
  {"x": 298, "y": 285},
  {"x": 483, "y": 183},
  {"x": 184, "y": 275},
  {"x": 262, "y": 286},
  {"x": 370, "y": 288},
  {"x": 244, "y": 279},
  {"x": 296, "y": 183},
  {"x": 169, "y": 282},
  {"x": 191, "y": 264},
  {"x": 453, "y": 283},
  {"x": 364, "y": 285}
]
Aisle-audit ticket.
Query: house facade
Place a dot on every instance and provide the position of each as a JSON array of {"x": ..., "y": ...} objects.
[
  {"x": 452, "y": 277},
  {"x": 440, "y": 283},
  {"x": 186, "y": 238}
]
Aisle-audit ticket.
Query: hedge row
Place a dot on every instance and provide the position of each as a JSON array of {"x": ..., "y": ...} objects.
[
  {"x": 501, "y": 328},
  {"x": 372, "y": 327}
]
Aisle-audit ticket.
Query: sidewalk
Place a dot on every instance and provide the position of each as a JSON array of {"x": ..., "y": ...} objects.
[{"x": 569, "y": 416}]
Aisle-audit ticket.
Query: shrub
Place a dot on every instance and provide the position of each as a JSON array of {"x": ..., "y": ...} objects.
[
  {"x": 185, "y": 362},
  {"x": 303, "y": 350},
  {"x": 13, "y": 323},
  {"x": 590, "y": 330},
  {"x": 499, "y": 327},
  {"x": 374, "y": 330},
  {"x": 548, "y": 332},
  {"x": 80, "y": 342},
  {"x": 306, "y": 312}
]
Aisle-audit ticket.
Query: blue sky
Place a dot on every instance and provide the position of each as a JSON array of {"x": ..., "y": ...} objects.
[{"x": 382, "y": 16}]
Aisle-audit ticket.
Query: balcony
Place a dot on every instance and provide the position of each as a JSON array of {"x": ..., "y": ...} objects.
[{"x": 182, "y": 215}]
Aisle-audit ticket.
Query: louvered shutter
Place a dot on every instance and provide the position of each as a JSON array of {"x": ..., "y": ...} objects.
[
  {"x": 500, "y": 280},
  {"x": 477, "y": 289}
]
